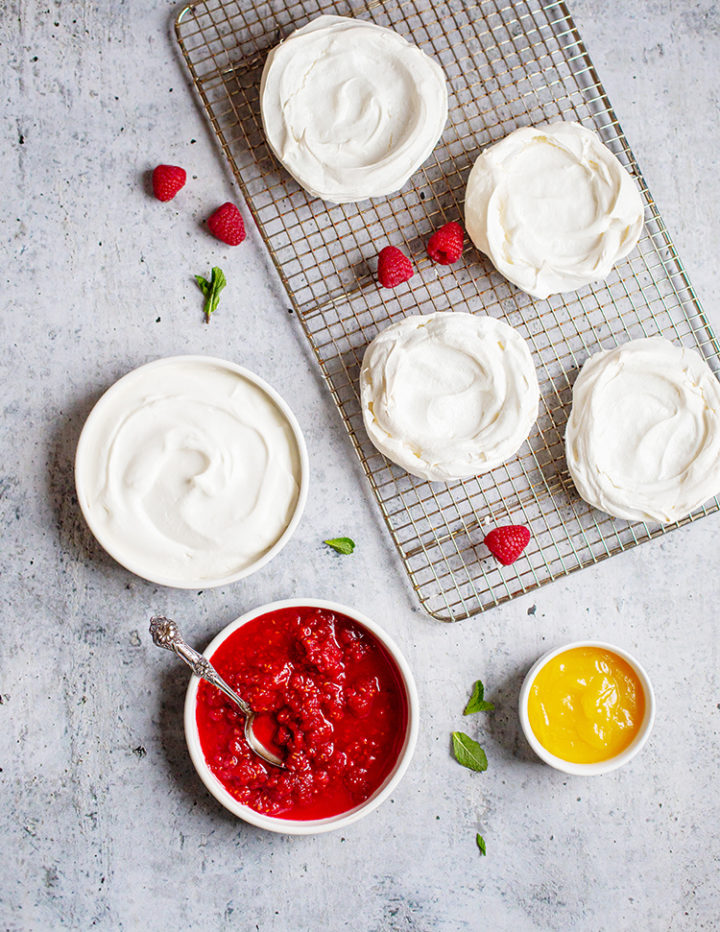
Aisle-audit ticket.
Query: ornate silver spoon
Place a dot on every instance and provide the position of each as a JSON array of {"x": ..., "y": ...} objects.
[{"x": 165, "y": 634}]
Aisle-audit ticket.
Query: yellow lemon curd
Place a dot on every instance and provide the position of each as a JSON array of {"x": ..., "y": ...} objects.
[{"x": 586, "y": 705}]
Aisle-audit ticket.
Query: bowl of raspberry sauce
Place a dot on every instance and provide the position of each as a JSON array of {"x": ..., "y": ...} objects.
[{"x": 335, "y": 700}]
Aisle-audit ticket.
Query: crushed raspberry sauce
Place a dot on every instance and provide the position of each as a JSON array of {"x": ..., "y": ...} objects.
[{"x": 336, "y": 704}]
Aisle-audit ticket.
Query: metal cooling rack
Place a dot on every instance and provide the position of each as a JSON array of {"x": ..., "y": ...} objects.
[{"x": 507, "y": 65}]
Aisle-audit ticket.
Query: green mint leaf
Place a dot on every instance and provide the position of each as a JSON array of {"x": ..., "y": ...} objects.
[
  {"x": 217, "y": 283},
  {"x": 477, "y": 702},
  {"x": 211, "y": 289},
  {"x": 341, "y": 544},
  {"x": 203, "y": 284},
  {"x": 480, "y": 843},
  {"x": 468, "y": 752},
  {"x": 218, "y": 280}
]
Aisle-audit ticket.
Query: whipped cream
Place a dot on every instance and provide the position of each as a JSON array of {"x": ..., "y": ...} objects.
[
  {"x": 448, "y": 395},
  {"x": 643, "y": 438},
  {"x": 189, "y": 471},
  {"x": 552, "y": 208},
  {"x": 351, "y": 109}
]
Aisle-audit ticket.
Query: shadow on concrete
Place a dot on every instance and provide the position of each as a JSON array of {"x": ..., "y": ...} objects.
[
  {"x": 503, "y": 724},
  {"x": 74, "y": 536}
]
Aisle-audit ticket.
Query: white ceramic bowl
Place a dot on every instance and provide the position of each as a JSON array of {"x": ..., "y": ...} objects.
[
  {"x": 305, "y": 826},
  {"x": 136, "y": 566},
  {"x": 600, "y": 767}
]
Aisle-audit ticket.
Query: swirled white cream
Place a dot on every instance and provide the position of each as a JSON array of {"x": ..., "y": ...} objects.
[
  {"x": 643, "y": 438},
  {"x": 351, "y": 109},
  {"x": 448, "y": 395},
  {"x": 552, "y": 208},
  {"x": 188, "y": 472}
]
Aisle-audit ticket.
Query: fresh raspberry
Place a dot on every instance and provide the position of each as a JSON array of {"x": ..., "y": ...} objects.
[
  {"x": 393, "y": 267},
  {"x": 445, "y": 246},
  {"x": 507, "y": 542},
  {"x": 167, "y": 181},
  {"x": 227, "y": 224}
]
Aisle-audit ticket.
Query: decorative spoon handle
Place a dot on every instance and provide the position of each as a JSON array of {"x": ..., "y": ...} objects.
[{"x": 165, "y": 634}]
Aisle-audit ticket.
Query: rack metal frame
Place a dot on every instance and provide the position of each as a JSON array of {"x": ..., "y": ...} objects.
[{"x": 507, "y": 65}]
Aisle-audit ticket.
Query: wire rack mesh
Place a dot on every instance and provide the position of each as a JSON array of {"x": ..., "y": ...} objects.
[{"x": 507, "y": 65}]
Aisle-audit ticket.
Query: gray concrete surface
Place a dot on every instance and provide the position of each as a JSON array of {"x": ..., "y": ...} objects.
[{"x": 103, "y": 822}]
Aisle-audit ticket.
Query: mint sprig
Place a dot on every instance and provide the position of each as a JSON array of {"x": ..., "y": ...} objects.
[
  {"x": 211, "y": 289},
  {"x": 477, "y": 702},
  {"x": 344, "y": 545},
  {"x": 468, "y": 752}
]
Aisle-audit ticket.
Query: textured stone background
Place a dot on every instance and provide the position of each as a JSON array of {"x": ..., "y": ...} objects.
[{"x": 102, "y": 819}]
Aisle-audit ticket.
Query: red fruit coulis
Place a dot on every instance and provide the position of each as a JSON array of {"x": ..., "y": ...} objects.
[{"x": 330, "y": 702}]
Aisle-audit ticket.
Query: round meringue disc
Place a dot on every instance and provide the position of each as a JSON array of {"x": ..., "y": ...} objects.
[
  {"x": 351, "y": 109},
  {"x": 552, "y": 208},
  {"x": 448, "y": 395},
  {"x": 643, "y": 438}
]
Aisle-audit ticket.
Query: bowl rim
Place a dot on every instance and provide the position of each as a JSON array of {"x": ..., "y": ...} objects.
[
  {"x": 304, "y": 477},
  {"x": 305, "y": 826},
  {"x": 599, "y": 767}
]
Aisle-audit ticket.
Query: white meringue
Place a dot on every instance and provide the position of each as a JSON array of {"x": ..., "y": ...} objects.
[
  {"x": 552, "y": 208},
  {"x": 351, "y": 109},
  {"x": 448, "y": 395},
  {"x": 643, "y": 438}
]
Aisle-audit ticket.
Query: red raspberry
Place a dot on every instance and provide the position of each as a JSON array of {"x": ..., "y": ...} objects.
[
  {"x": 283, "y": 735},
  {"x": 356, "y": 651},
  {"x": 445, "y": 246},
  {"x": 507, "y": 542},
  {"x": 227, "y": 224},
  {"x": 167, "y": 181},
  {"x": 357, "y": 782},
  {"x": 393, "y": 267}
]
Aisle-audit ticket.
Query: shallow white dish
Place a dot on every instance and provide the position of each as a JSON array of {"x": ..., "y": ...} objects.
[
  {"x": 588, "y": 770},
  {"x": 135, "y": 396},
  {"x": 305, "y": 826}
]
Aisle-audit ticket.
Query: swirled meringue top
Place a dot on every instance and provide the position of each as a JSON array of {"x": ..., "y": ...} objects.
[
  {"x": 350, "y": 108},
  {"x": 189, "y": 472},
  {"x": 448, "y": 395},
  {"x": 552, "y": 208},
  {"x": 643, "y": 438}
]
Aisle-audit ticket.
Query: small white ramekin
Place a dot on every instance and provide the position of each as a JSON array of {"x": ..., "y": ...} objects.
[
  {"x": 306, "y": 826},
  {"x": 605, "y": 766},
  {"x": 194, "y": 582}
]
